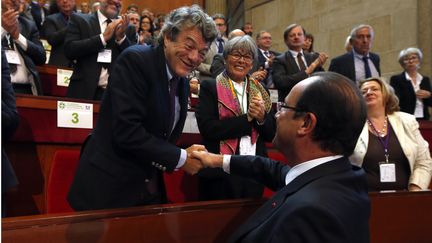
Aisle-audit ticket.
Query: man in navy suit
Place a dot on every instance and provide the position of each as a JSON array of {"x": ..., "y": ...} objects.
[
  {"x": 142, "y": 115},
  {"x": 293, "y": 66},
  {"x": 10, "y": 120},
  {"x": 54, "y": 30},
  {"x": 24, "y": 50},
  {"x": 94, "y": 42},
  {"x": 38, "y": 12},
  {"x": 360, "y": 63},
  {"x": 320, "y": 196},
  {"x": 266, "y": 56}
]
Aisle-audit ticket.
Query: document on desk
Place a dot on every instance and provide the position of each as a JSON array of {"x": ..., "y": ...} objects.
[{"x": 74, "y": 114}]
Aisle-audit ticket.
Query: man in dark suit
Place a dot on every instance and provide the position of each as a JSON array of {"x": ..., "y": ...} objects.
[
  {"x": 23, "y": 49},
  {"x": 54, "y": 29},
  {"x": 141, "y": 117},
  {"x": 360, "y": 63},
  {"x": 9, "y": 123},
  {"x": 266, "y": 56},
  {"x": 94, "y": 43},
  {"x": 293, "y": 66},
  {"x": 321, "y": 197},
  {"x": 39, "y": 13}
]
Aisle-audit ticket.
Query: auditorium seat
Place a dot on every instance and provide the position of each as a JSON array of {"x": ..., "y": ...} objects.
[
  {"x": 63, "y": 169},
  {"x": 181, "y": 187}
]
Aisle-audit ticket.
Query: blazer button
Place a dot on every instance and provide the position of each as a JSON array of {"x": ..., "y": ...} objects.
[
  {"x": 273, "y": 204},
  {"x": 146, "y": 180}
]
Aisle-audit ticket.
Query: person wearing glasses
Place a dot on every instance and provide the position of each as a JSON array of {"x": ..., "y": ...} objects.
[
  {"x": 317, "y": 129},
  {"x": 412, "y": 88},
  {"x": 234, "y": 117},
  {"x": 390, "y": 148}
]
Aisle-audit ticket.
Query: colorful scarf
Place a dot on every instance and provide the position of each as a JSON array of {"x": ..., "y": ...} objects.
[{"x": 229, "y": 106}]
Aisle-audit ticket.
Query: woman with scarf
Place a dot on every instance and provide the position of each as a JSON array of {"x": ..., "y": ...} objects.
[{"x": 234, "y": 116}]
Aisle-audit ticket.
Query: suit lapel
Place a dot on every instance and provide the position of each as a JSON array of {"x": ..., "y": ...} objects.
[
  {"x": 291, "y": 62},
  {"x": 94, "y": 22},
  {"x": 274, "y": 204},
  {"x": 163, "y": 81}
]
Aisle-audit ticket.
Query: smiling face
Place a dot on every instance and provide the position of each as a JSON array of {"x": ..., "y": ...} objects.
[
  {"x": 110, "y": 8},
  {"x": 186, "y": 52},
  {"x": 372, "y": 93},
  {"x": 264, "y": 41},
  {"x": 238, "y": 64}
]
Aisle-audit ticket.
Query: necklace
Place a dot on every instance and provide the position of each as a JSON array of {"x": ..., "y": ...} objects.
[{"x": 381, "y": 133}]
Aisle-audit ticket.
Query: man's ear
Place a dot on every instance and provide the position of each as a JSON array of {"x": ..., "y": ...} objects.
[{"x": 309, "y": 123}]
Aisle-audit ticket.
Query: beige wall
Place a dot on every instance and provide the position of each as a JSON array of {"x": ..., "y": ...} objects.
[{"x": 398, "y": 24}]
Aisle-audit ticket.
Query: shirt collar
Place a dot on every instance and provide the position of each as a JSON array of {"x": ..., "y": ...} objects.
[
  {"x": 418, "y": 78},
  {"x": 295, "y": 53},
  {"x": 358, "y": 55},
  {"x": 299, "y": 169},
  {"x": 101, "y": 17}
]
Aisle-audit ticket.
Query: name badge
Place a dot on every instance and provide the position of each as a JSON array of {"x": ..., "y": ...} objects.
[
  {"x": 63, "y": 77},
  {"x": 74, "y": 115},
  {"x": 387, "y": 172},
  {"x": 274, "y": 97},
  {"x": 191, "y": 125},
  {"x": 104, "y": 56},
  {"x": 246, "y": 146},
  {"x": 12, "y": 57}
]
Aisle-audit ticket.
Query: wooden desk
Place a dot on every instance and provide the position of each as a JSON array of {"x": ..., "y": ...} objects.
[{"x": 396, "y": 217}]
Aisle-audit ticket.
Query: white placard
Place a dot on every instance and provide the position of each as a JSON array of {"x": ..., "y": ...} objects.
[
  {"x": 74, "y": 115},
  {"x": 191, "y": 125},
  {"x": 274, "y": 95},
  {"x": 63, "y": 77}
]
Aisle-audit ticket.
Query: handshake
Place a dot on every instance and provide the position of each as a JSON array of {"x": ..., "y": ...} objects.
[{"x": 198, "y": 158}]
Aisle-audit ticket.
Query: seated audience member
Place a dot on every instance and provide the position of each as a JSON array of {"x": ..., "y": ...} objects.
[
  {"x": 320, "y": 196},
  {"x": 135, "y": 19},
  {"x": 148, "y": 13},
  {"x": 412, "y": 88},
  {"x": 24, "y": 50},
  {"x": 9, "y": 124},
  {"x": 266, "y": 56},
  {"x": 360, "y": 63},
  {"x": 146, "y": 31},
  {"x": 308, "y": 43},
  {"x": 85, "y": 8},
  {"x": 294, "y": 65},
  {"x": 218, "y": 64},
  {"x": 234, "y": 117},
  {"x": 247, "y": 29},
  {"x": 159, "y": 22},
  {"x": 132, "y": 8},
  {"x": 95, "y": 41},
  {"x": 390, "y": 148},
  {"x": 54, "y": 29}
]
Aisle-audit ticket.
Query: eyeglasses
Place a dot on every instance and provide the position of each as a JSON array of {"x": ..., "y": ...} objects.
[
  {"x": 220, "y": 24},
  {"x": 281, "y": 105},
  {"x": 410, "y": 59},
  {"x": 237, "y": 56}
]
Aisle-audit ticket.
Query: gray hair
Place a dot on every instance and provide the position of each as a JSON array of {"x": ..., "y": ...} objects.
[
  {"x": 245, "y": 43},
  {"x": 185, "y": 18},
  {"x": 406, "y": 52},
  {"x": 354, "y": 30}
]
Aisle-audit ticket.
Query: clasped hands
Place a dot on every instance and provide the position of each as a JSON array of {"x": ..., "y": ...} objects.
[{"x": 198, "y": 158}]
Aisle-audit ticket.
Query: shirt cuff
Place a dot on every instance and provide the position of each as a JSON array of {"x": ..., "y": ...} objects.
[
  {"x": 266, "y": 65},
  {"x": 182, "y": 160},
  {"x": 103, "y": 40},
  {"x": 226, "y": 162},
  {"x": 121, "y": 41},
  {"x": 22, "y": 42}
]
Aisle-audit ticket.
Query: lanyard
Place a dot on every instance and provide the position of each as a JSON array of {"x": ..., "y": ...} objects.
[
  {"x": 239, "y": 96},
  {"x": 383, "y": 142}
]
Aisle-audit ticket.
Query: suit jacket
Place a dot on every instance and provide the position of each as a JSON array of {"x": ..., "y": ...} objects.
[
  {"x": 328, "y": 203},
  {"x": 213, "y": 130},
  {"x": 286, "y": 73},
  {"x": 83, "y": 44},
  {"x": 54, "y": 29},
  {"x": 35, "y": 53},
  {"x": 131, "y": 142},
  {"x": 407, "y": 96},
  {"x": 344, "y": 64},
  {"x": 415, "y": 148},
  {"x": 9, "y": 124},
  {"x": 36, "y": 13},
  {"x": 204, "y": 67},
  {"x": 261, "y": 62}
]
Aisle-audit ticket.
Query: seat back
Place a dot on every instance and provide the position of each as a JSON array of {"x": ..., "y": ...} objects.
[
  {"x": 62, "y": 172},
  {"x": 181, "y": 187}
]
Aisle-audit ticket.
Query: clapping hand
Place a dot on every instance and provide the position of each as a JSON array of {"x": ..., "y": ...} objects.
[
  {"x": 121, "y": 27},
  {"x": 256, "y": 109}
]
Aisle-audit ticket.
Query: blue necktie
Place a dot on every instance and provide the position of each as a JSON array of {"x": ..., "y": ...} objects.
[
  {"x": 220, "y": 45},
  {"x": 366, "y": 67}
]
